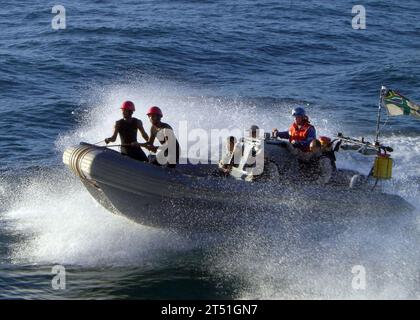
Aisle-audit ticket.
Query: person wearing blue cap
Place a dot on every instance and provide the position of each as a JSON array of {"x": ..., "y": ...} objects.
[{"x": 300, "y": 133}]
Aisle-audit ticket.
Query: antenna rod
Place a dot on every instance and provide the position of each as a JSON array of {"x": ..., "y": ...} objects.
[{"x": 378, "y": 120}]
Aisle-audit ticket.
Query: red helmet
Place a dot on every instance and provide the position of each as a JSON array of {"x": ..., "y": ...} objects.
[
  {"x": 154, "y": 110},
  {"x": 128, "y": 105},
  {"x": 324, "y": 140}
]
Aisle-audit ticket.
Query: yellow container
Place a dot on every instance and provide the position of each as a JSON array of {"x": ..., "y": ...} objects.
[{"x": 382, "y": 168}]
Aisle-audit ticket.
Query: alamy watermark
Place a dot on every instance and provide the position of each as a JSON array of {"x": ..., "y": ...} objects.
[
  {"x": 58, "y": 22},
  {"x": 58, "y": 282},
  {"x": 359, "y": 279},
  {"x": 198, "y": 146},
  {"x": 359, "y": 20}
]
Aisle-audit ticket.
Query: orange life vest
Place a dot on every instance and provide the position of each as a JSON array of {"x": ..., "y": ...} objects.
[{"x": 297, "y": 134}]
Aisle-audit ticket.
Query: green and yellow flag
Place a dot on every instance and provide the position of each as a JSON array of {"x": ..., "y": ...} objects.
[{"x": 398, "y": 105}]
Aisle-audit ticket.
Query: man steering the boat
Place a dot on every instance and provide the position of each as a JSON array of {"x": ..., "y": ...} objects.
[
  {"x": 300, "y": 133},
  {"x": 127, "y": 128}
]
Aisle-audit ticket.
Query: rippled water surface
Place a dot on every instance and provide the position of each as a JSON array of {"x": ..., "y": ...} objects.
[{"x": 216, "y": 65}]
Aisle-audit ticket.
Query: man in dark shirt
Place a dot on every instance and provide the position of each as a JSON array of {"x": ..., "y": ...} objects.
[{"x": 127, "y": 128}]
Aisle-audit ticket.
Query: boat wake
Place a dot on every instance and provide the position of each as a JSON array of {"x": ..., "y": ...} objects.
[{"x": 50, "y": 218}]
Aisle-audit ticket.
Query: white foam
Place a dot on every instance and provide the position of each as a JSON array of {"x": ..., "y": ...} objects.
[{"x": 61, "y": 223}]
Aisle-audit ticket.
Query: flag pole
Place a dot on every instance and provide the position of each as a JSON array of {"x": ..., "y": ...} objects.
[{"x": 378, "y": 119}]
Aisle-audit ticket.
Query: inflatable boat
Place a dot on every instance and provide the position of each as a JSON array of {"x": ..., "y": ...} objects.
[{"x": 198, "y": 197}]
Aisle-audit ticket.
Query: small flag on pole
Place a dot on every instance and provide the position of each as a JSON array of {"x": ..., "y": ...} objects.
[{"x": 398, "y": 105}]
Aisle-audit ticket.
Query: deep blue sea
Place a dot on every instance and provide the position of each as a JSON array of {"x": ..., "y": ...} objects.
[{"x": 214, "y": 64}]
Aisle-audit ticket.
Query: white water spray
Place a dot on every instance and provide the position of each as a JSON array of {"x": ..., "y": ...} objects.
[{"x": 60, "y": 222}]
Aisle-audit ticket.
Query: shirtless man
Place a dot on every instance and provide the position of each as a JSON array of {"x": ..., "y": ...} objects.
[{"x": 127, "y": 128}]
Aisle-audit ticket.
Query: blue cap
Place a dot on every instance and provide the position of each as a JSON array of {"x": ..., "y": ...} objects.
[{"x": 299, "y": 111}]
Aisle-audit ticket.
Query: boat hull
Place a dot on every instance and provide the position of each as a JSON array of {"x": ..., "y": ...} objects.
[{"x": 196, "y": 198}]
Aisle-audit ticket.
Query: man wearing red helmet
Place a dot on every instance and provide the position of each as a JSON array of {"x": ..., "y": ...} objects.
[
  {"x": 327, "y": 150},
  {"x": 164, "y": 133},
  {"x": 127, "y": 129}
]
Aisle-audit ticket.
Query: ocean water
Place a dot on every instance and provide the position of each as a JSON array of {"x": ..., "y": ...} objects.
[{"x": 215, "y": 65}]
